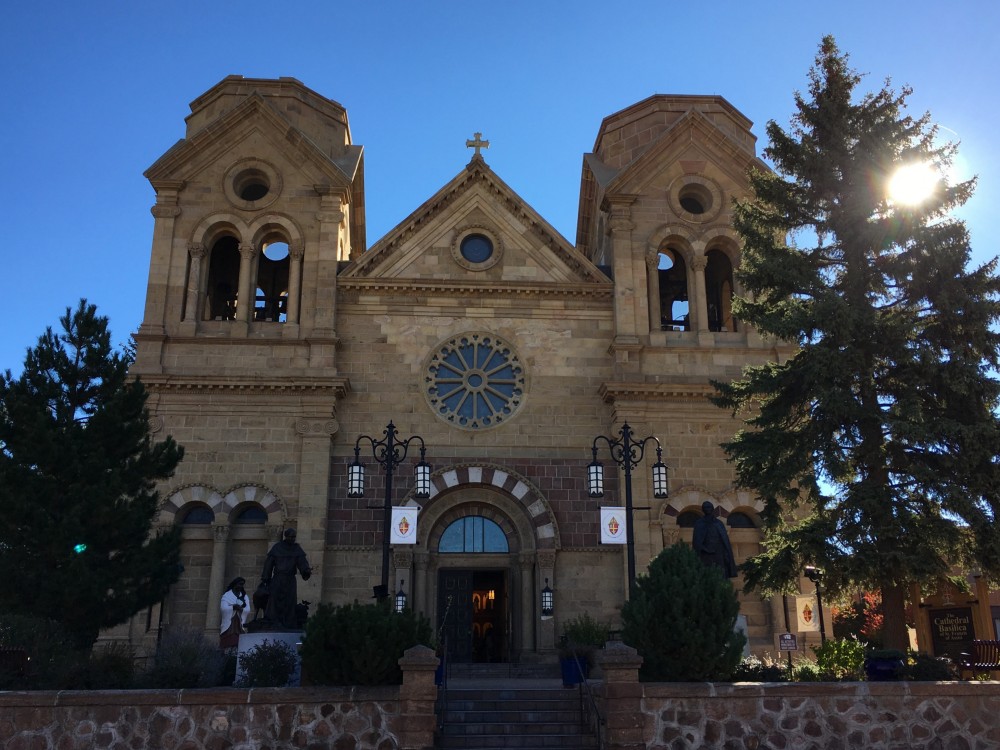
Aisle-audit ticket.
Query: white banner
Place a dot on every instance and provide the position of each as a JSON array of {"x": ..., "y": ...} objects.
[
  {"x": 807, "y": 613},
  {"x": 403, "y": 529},
  {"x": 613, "y": 526}
]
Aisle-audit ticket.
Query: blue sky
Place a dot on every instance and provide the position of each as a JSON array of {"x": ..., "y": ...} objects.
[{"x": 95, "y": 92}]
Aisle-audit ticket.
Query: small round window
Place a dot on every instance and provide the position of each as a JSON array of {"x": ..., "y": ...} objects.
[
  {"x": 251, "y": 185},
  {"x": 477, "y": 248}
]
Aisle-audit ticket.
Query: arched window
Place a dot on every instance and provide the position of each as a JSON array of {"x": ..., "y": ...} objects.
[
  {"x": 198, "y": 514},
  {"x": 473, "y": 534},
  {"x": 688, "y": 518},
  {"x": 672, "y": 274},
  {"x": 223, "y": 279},
  {"x": 251, "y": 514},
  {"x": 271, "y": 303},
  {"x": 740, "y": 520},
  {"x": 719, "y": 288}
]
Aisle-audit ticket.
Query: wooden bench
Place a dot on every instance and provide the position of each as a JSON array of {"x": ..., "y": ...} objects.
[{"x": 983, "y": 657}]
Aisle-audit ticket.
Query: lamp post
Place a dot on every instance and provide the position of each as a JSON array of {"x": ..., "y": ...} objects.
[
  {"x": 815, "y": 574},
  {"x": 388, "y": 453},
  {"x": 627, "y": 452}
]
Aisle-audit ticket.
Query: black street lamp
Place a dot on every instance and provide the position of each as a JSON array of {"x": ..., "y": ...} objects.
[
  {"x": 627, "y": 453},
  {"x": 388, "y": 453},
  {"x": 815, "y": 574},
  {"x": 401, "y": 598}
]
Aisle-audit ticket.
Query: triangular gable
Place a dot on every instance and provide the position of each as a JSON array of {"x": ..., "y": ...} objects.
[
  {"x": 693, "y": 130},
  {"x": 477, "y": 176},
  {"x": 189, "y": 155}
]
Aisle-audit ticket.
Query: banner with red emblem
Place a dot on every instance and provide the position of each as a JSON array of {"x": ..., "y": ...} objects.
[
  {"x": 613, "y": 526},
  {"x": 403, "y": 529}
]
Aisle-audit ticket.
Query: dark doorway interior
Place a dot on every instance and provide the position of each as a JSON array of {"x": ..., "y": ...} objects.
[{"x": 472, "y": 614}]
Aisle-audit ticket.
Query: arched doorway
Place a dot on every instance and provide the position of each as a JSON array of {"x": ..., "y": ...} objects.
[{"x": 485, "y": 546}]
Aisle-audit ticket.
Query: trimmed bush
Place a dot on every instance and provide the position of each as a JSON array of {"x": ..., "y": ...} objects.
[
  {"x": 680, "y": 619},
  {"x": 185, "y": 659},
  {"x": 268, "y": 664},
  {"x": 360, "y": 644},
  {"x": 841, "y": 659},
  {"x": 760, "y": 669}
]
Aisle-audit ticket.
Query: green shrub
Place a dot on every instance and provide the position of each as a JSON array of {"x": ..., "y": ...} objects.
[
  {"x": 110, "y": 667},
  {"x": 680, "y": 619},
  {"x": 757, "y": 669},
  {"x": 806, "y": 671},
  {"x": 185, "y": 659},
  {"x": 840, "y": 659},
  {"x": 360, "y": 644},
  {"x": 268, "y": 664},
  {"x": 581, "y": 637},
  {"x": 52, "y": 656}
]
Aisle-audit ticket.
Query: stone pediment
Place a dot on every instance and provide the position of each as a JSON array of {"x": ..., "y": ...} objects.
[
  {"x": 426, "y": 249},
  {"x": 201, "y": 149},
  {"x": 694, "y": 141}
]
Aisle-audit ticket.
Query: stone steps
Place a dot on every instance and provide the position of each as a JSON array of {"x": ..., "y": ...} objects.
[{"x": 490, "y": 710}]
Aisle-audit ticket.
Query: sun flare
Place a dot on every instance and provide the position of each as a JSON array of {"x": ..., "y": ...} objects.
[{"x": 913, "y": 183}]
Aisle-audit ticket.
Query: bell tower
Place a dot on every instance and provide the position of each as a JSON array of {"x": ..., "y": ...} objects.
[{"x": 255, "y": 208}]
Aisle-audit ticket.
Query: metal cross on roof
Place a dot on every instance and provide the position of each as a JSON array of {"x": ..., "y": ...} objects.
[{"x": 477, "y": 143}]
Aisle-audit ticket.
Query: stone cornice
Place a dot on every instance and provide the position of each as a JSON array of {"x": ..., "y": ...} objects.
[
  {"x": 615, "y": 391},
  {"x": 339, "y": 386},
  {"x": 453, "y": 288}
]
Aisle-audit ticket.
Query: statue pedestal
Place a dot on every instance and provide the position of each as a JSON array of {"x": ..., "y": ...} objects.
[{"x": 250, "y": 640}]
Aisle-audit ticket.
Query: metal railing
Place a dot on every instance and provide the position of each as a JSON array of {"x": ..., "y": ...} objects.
[{"x": 589, "y": 710}]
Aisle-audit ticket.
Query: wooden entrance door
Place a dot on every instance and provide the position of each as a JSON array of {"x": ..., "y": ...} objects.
[{"x": 454, "y": 613}]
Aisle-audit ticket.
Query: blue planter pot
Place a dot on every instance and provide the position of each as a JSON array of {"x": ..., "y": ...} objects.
[
  {"x": 883, "y": 668},
  {"x": 571, "y": 674}
]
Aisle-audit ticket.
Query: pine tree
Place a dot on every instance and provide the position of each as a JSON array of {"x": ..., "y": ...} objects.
[
  {"x": 874, "y": 447},
  {"x": 77, "y": 473},
  {"x": 681, "y": 618}
]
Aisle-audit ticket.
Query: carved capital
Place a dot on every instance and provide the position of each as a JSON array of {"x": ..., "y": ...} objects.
[
  {"x": 402, "y": 561},
  {"x": 296, "y": 251},
  {"x": 165, "y": 212},
  {"x": 546, "y": 560},
  {"x": 196, "y": 250},
  {"x": 313, "y": 426},
  {"x": 221, "y": 533},
  {"x": 248, "y": 252},
  {"x": 332, "y": 217},
  {"x": 699, "y": 263}
]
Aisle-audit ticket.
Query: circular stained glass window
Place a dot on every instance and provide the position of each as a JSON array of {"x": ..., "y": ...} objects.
[
  {"x": 476, "y": 248},
  {"x": 475, "y": 381}
]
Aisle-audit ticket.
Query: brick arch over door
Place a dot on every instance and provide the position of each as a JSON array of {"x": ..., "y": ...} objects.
[{"x": 526, "y": 508}]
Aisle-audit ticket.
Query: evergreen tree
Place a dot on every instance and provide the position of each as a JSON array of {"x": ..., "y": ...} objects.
[
  {"x": 680, "y": 618},
  {"x": 874, "y": 447},
  {"x": 77, "y": 473}
]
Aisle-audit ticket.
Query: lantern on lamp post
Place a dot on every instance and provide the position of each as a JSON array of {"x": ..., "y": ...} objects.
[{"x": 627, "y": 452}]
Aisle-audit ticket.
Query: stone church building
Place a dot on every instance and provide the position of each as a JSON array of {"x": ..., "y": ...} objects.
[{"x": 275, "y": 336}]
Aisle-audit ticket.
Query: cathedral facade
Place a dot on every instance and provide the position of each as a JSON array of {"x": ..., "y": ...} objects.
[{"x": 278, "y": 347}]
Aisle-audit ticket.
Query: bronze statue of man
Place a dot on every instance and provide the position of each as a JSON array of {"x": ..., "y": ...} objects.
[
  {"x": 711, "y": 542},
  {"x": 285, "y": 558}
]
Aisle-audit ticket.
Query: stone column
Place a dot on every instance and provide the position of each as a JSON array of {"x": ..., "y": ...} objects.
[
  {"x": 529, "y": 639},
  {"x": 628, "y": 294},
  {"x": 698, "y": 302},
  {"x": 314, "y": 481},
  {"x": 402, "y": 567},
  {"x": 246, "y": 294},
  {"x": 421, "y": 593},
  {"x": 622, "y": 693},
  {"x": 546, "y": 628},
  {"x": 416, "y": 721},
  {"x": 165, "y": 213},
  {"x": 216, "y": 579},
  {"x": 295, "y": 254},
  {"x": 653, "y": 292},
  {"x": 194, "y": 294}
]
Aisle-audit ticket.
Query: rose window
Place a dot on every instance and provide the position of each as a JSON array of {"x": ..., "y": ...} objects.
[{"x": 475, "y": 381}]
